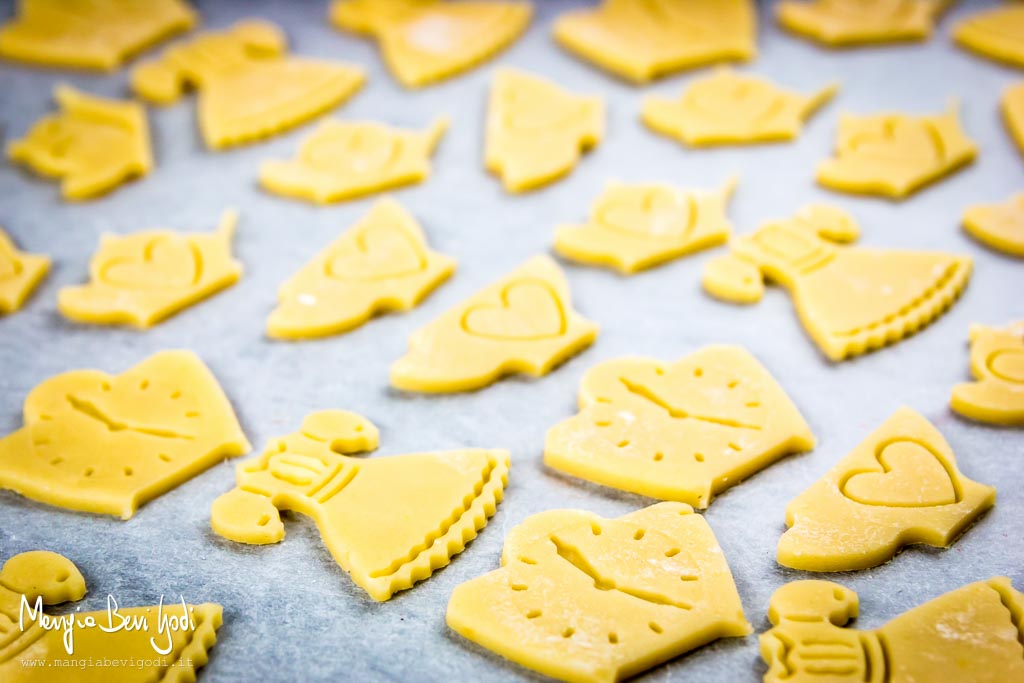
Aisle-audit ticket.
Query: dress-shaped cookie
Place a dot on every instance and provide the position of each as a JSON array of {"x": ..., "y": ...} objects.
[
  {"x": 641, "y": 40},
  {"x": 591, "y": 600},
  {"x": 389, "y": 522},
  {"x": 729, "y": 108},
  {"x": 382, "y": 263},
  {"x": 524, "y": 323},
  {"x": 851, "y": 300},
  {"x": 249, "y": 87},
  {"x": 846, "y": 23},
  {"x": 680, "y": 431},
  {"x": 635, "y": 226},
  {"x": 536, "y": 131},
  {"x": 425, "y": 41},
  {"x": 969, "y": 635},
  {"x": 999, "y": 226},
  {"x": 166, "y": 643},
  {"x": 93, "y": 144},
  {"x": 144, "y": 278},
  {"x": 894, "y": 155},
  {"x": 997, "y": 33},
  {"x": 90, "y": 34},
  {"x": 108, "y": 443},
  {"x": 997, "y": 364},
  {"x": 899, "y": 487},
  {"x": 344, "y": 160},
  {"x": 20, "y": 273}
]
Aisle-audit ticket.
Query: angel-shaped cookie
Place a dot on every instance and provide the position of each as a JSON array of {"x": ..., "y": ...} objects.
[
  {"x": 851, "y": 300},
  {"x": 846, "y": 23},
  {"x": 389, "y": 522},
  {"x": 997, "y": 363},
  {"x": 999, "y": 226},
  {"x": 249, "y": 87},
  {"x": 591, "y": 600},
  {"x": 996, "y": 33},
  {"x": 20, "y": 273},
  {"x": 899, "y": 487}
]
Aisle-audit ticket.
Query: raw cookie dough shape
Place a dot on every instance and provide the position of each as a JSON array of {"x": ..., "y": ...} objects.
[
  {"x": 381, "y": 264},
  {"x": 20, "y": 273},
  {"x": 635, "y": 226},
  {"x": 997, "y": 34},
  {"x": 972, "y": 634},
  {"x": 641, "y": 40},
  {"x": 851, "y": 300},
  {"x": 144, "y": 278},
  {"x": 729, "y": 108},
  {"x": 894, "y": 155},
  {"x": 38, "y": 655},
  {"x": 90, "y": 34},
  {"x": 389, "y": 522},
  {"x": 536, "y": 130},
  {"x": 899, "y": 487},
  {"x": 997, "y": 364},
  {"x": 93, "y": 144},
  {"x": 524, "y": 323},
  {"x": 425, "y": 41},
  {"x": 848, "y": 23},
  {"x": 344, "y": 160},
  {"x": 249, "y": 87},
  {"x": 681, "y": 431},
  {"x": 1013, "y": 113},
  {"x": 999, "y": 226},
  {"x": 109, "y": 443},
  {"x": 592, "y": 600}
]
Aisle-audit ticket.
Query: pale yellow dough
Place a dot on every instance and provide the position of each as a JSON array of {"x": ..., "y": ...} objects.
[
  {"x": 680, "y": 431},
  {"x": 425, "y": 41},
  {"x": 108, "y": 443},
  {"x": 851, "y": 300},
  {"x": 144, "y": 278},
  {"x": 999, "y": 226},
  {"x": 1013, "y": 113},
  {"x": 996, "y": 33},
  {"x": 729, "y": 108},
  {"x": 20, "y": 273},
  {"x": 389, "y": 522},
  {"x": 997, "y": 365},
  {"x": 524, "y": 323},
  {"x": 970, "y": 635},
  {"x": 536, "y": 131},
  {"x": 899, "y": 487},
  {"x": 846, "y": 23},
  {"x": 641, "y": 40},
  {"x": 380, "y": 264},
  {"x": 585, "y": 599}
]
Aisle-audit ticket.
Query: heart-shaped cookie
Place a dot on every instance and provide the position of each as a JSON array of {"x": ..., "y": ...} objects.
[
  {"x": 737, "y": 99},
  {"x": 899, "y": 140},
  {"x": 656, "y": 214},
  {"x": 166, "y": 262},
  {"x": 529, "y": 310},
  {"x": 380, "y": 252},
  {"x": 352, "y": 150},
  {"x": 913, "y": 476}
]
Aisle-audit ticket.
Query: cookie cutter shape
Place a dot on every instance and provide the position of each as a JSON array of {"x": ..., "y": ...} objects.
[
  {"x": 93, "y": 144},
  {"x": 382, "y": 263},
  {"x": 523, "y": 323},
  {"x": 1012, "y": 106},
  {"x": 536, "y": 130},
  {"x": 425, "y": 41},
  {"x": 169, "y": 649},
  {"x": 249, "y": 87},
  {"x": 851, "y": 300},
  {"x": 849, "y": 23},
  {"x": 999, "y": 226},
  {"x": 591, "y": 600},
  {"x": 970, "y": 634},
  {"x": 997, "y": 364},
  {"x": 144, "y": 278},
  {"x": 894, "y": 155},
  {"x": 389, "y": 522},
  {"x": 636, "y": 226},
  {"x": 344, "y": 160},
  {"x": 728, "y": 108},
  {"x": 996, "y": 34},
  {"x": 20, "y": 273},
  {"x": 109, "y": 443},
  {"x": 681, "y": 431},
  {"x": 90, "y": 34},
  {"x": 642, "y": 40},
  {"x": 899, "y": 487}
]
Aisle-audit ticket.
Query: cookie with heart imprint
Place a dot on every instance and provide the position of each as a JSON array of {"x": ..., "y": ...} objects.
[
  {"x": 381, "y": 264},
  {"x": 144, "y": 278},
  {"x": 20, "y": 273},
  {"x": 899, "y": 487},
  {"x": 521, "y": 323}
]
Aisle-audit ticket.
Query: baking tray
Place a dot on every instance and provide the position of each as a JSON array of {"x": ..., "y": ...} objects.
[{"x": 290, "y": 612}]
